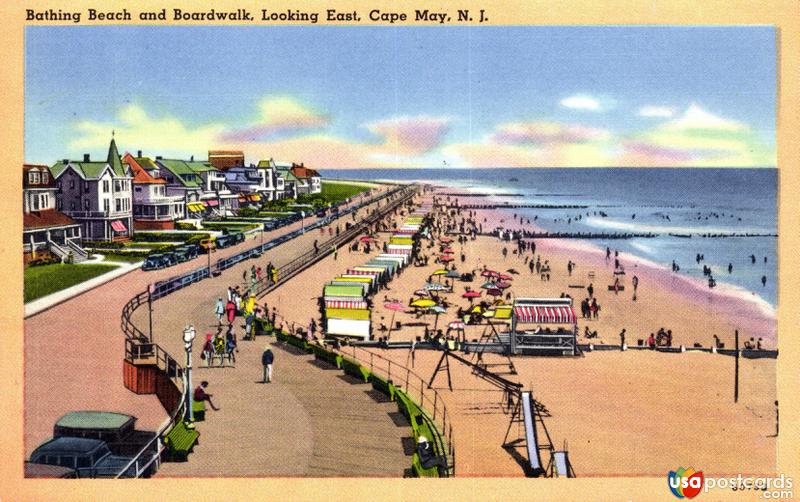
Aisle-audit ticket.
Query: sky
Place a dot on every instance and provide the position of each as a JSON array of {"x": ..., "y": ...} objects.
[{"x": 407, "y": 96}]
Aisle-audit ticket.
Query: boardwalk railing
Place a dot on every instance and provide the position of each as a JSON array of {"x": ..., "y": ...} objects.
[{"x": 417, "y": 389}]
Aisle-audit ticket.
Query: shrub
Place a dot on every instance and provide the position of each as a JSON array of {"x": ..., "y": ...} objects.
[
  {"x": 185, "y": 226},
  {"x": 103, "y": 244}
]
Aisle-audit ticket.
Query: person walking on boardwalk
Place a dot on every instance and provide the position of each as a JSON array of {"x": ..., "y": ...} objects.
[
  {"x": 267, "y": 358},
  {"x": 219, "y": 310},
  {"x": 274, "y": 276},
  {"x": 590, "y": 290},
  {"x": 230, "y": 309}
]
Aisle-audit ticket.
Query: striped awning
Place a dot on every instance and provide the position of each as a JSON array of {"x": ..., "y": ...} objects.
[
  {"x": 212, "y": 203},
  {"x": 405, "y": 232},
  {"x": 195, "y": 206},
  {"x": 558, "y": 314},
  {"x": 345, "y": 304},
  {"x": 362, "y": 272},
  {"x": 398, "y": 251},
  {"x": 118, "y": 226}
]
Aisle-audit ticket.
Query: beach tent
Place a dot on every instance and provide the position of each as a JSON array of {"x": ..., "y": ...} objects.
[
  {"x": 401, "y": 240},
  {"x": 358, "y": 328},
  {"x": 400, "y": 259},
  {"x": 346, "y": 304},
  {"x": 365, "y": 287},
  {"x": 372, "y": 280},
  {"x": 404, "y": 248},
  {"x": 371, "y": 269},
  {"x": 392, "y": 266},
  {"x": 344, "y": 299},
  {"x": 346, "y": 290},
  {"x": 538, "y": 311}
]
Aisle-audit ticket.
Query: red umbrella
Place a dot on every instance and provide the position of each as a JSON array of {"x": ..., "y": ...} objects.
[
  {"x": 494, "y": 292},
  {"x": 366, "y": 238},
  {"x": 446, "y": 258},
  {"x": 471, "y": 294},
  {"x": 489, "y": 273},
  {"x": 448, "y": 251},
  {"x": 504, "y": 277},
  {"x": 395, "y": 306},
  {"x": 503, "y": 285}
]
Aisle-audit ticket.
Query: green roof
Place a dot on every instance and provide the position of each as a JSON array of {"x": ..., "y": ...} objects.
[
  {"x": 180, "y": 168},
  {"x": 146, "y": 162},
  {"x": 93, "y": 420},
  {"x": 286, "y": 175},
  {"x": 200, "y": 166},
  {"x": 263, "y": 163},
  {"x": 89, "y": 170},
  {"x": 113, "y": 159},
  {"x": 331, "y": 290}
]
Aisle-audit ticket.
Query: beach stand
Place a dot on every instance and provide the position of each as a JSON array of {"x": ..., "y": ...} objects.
[{"x": 538, "y": 312}]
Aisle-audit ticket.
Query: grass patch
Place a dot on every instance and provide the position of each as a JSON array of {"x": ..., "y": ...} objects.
[
  {"x": 335, "y": 192},
  {"x": 47, "y": 279},
  {"x": 123, "y": 257}
]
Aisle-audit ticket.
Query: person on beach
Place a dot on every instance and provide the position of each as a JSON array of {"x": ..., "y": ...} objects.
[
  {"x": 219, "y": 310},
  {"x": 312, "y": 328},
  {"x": 595, "y": 308},
  {"x": 616, "y": 285},
  {"x": 764, "y": 280},
  {"x": 622, "y": 338},
  {"x": 730, "y": 267},
  {"x": 590, "y": 290},
  {"x": 201, "y": 395},
  {"x": 208, "y": 350},
  {"x": 530, "y": 266},
  {"x": 651, "y": 342}
]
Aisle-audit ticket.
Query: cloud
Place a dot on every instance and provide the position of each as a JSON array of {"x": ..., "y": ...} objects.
[
  {"x": 656, "y": 111},
  {"x": 581, "y": 102},
  {"x": 410, "y": 135},
  {"x": 278, "y": 115},
  {"x": 134, "y": 126},
  {"x": 542, "y": 132}
]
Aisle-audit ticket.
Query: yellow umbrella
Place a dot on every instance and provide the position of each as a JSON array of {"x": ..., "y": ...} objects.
[
  {"x": 476, "y": 308},
  {"x": 441, "y": 271},
  {"x": 423, "y": 302}
]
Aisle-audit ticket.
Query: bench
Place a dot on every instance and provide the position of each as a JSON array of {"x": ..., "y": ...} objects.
[
  {"x": 282, "y": 336},
  {"x": 199, "y": 410},
  {"x": 352, "y": 368},
  {"x": 299, "y": 343},
  {"x": 179, "y": 441},
  {"x": 322, "y": 354},
  {"x": 262, "y": 327},
  {"x": 383, "y": 385}
]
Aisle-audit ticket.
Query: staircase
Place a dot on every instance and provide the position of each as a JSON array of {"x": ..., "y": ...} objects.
[
  {"x": 63, "y": 251},
  {"x": 79, "y": 254}
]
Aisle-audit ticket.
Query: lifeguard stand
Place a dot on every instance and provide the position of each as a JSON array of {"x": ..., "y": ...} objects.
[{"x": 541, "y": 339}]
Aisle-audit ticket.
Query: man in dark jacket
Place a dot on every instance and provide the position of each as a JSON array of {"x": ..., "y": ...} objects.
[{"x": 266, "y": 359}]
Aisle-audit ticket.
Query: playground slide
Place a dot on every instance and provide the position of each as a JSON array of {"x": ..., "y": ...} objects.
[
  {"x": 535, "y": 463},
  {"x": 562, "y": 469}
]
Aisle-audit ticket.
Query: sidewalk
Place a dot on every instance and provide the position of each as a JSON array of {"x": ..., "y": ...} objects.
[{"x": 46, "y": 302}]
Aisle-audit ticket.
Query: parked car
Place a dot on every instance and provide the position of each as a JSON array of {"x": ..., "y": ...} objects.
[
  {"x": 229, "y": 239},
  {"x": 170, "y": 257},
  {"x": 186, "y": 252},
  {"x": 207, "y": 245},
  {"x": 90, "y": 458},
  {"x": 155, "y": 261}
]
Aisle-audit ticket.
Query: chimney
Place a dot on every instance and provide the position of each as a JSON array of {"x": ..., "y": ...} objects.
[
  {"x": 158, "y": 157},
  {"x": 65, "y": 161},
  {"x": 86, "y": 157},
  {"x": 139, "y": 153},
  {"x": 191, "y": 159}
]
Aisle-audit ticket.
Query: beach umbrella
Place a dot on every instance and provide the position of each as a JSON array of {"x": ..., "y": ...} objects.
[
  {"x": 441, "y": 271},
  {"x": 504, "y": 277},
  {"x": 503, "y": 285},
  {"x": 489, "y": 273},
  {"x": 437, "y": 309},
  {"x": 395, "y": 307},
  {"x": 423, "y": 303},
  {"x": 476, "y": 309},
  {"x": 433, "y": 286},
  {"x": 456, "y": 325},
  {"x": 448, "y": 251},
  {"x": 489, "y": 285},
  {"x": 366, "y": 238},
  {"x": 453, "y": 274},
  {"x": 471, "y": 294},
  {"x": 445, "y": 258},
  {"x": 494, "y": 292},
  {"x": 421, "y": 292}
]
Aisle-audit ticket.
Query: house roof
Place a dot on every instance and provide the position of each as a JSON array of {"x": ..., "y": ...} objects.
[
  {"x": 179, "y": 168},
  {"x": 140, "y": 175},
  {"x": 93, "y": 170},
  {"x": 226, "y": 153},
  {"x": 146, "y": 163},
  {"x": 51, "y": 182},
  {"x": 303, "y": 172},
  {"x": 45, "y": 219},
  {"x": 264, "y": 163},
  {"x": 286, "y": 174}
]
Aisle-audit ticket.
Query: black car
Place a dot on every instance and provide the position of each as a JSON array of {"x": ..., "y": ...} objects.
[
  {"x": 154, "y": 262},
  {"x": 89, "y": 458}
]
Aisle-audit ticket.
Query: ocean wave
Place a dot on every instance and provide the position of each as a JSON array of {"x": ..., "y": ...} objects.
[{"x": 664, "y": 229}]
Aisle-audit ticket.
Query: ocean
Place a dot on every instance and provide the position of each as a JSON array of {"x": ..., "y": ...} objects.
[{"x": 683, "y": 202}]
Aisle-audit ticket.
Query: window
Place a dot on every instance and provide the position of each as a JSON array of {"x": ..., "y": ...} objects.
[
  {"x": 86, "y": 186},
  {"x": 118, "y": 205},
  {"x": 44, "y": 203},
  {"x": 105, "y": 205},
  {"x": 72, "y": 183},
  {"x": 45, "y": 178},
  {"x": 84, "y": 462},
  {"x": 86, "y": 205},
  {"x": 105, "y": 186},
  {"x": 137, "y": 189},
  {"x": 34, "y": 203},
  {"x": 72, "y": 205},
  {"x": 59, "y": 204},
  {"x": 33, "y": 177}
]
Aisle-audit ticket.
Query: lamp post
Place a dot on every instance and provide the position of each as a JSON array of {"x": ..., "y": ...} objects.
[
  {"x": 188, "y": 337},
  {"x": 303, "y": 221}
]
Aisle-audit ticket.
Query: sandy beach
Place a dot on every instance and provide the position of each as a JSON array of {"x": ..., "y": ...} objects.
[{"x": 619, "y": 412}]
